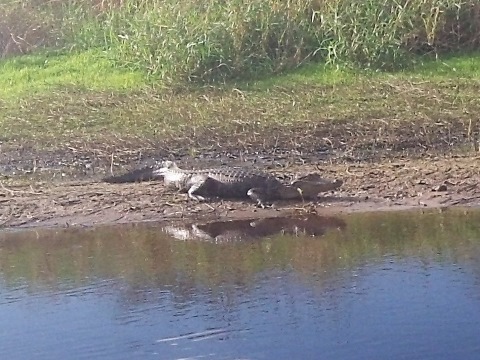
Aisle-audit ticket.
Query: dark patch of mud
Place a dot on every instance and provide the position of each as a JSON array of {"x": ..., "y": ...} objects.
[{"x": 316, "y": 141}]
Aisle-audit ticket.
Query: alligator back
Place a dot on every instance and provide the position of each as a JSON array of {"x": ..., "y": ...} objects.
[
  {"x": 226, "y": 182},
  {"x": 236, "y": 183}
]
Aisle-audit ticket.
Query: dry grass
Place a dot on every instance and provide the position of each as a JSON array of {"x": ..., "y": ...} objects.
[{"x": 377, "y": 116}]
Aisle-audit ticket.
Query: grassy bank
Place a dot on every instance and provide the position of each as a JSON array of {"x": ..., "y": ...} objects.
[
  {"x": 190, "y": 77},
  {"x": 84, "y": 102}
]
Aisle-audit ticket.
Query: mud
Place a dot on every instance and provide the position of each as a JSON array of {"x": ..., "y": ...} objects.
[{"x": 433, "y": 181}]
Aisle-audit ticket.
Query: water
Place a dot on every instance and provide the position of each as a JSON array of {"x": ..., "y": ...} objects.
[{"x": 366, "y": 286}]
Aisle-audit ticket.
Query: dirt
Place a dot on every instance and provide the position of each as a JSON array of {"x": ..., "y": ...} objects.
[{"x": 395, "y": 183}]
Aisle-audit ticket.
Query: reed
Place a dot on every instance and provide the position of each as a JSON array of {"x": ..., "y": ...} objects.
[{"x": 218, "y": 40}]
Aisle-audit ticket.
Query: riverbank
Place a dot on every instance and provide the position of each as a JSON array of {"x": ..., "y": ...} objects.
[
  {"x": 402, "y": 133},
  {"x": 399, "y": 184}
]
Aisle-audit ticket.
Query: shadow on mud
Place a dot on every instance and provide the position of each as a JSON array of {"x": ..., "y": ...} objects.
[{"x": 251, "y": 229}]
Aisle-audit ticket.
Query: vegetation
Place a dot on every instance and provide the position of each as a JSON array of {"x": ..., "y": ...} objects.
[
  {"x": 192, "y": 75},
  {"x": 98, "y": 106},
  {"x": 218, "y": 40}
]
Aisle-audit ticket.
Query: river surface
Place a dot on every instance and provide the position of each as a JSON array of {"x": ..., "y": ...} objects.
[{"x": 364, "y": 286}]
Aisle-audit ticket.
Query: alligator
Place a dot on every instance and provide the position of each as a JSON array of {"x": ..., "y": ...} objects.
[{"x": 231, "y": 182}]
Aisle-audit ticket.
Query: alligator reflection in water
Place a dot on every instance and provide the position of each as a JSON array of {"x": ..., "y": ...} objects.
[{"x": 249, "y": 229}]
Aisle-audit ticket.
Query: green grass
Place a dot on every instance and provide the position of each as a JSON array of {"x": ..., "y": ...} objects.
[
  {"x": 461, "y": 66},
  {"x": 454, "y": 67},
  {"x": 92, "y": 70},
  {"x": 81, "y": 101},
  {"x": 21, "y": 77}
]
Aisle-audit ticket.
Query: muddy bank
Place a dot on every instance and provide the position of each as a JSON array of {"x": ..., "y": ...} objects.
[{"x": 390, "y": 184}]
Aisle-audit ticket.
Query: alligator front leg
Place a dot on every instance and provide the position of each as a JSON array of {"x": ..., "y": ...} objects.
[
  {"x": 192, "y": 195},
  {"x": 198, "y": 184},
  {"x": 259, "y": 197}
]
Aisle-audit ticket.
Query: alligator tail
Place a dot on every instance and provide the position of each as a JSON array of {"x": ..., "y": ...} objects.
[{"x": 138, "y": 175}]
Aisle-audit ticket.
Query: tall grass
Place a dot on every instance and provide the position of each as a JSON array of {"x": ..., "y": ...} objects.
[
  {"x": 217, "y": 40},
  {"x": 214, "y": 40}
]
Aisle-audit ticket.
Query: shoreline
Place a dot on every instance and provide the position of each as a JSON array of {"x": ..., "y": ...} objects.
[{"x": 385, "y": 185}]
